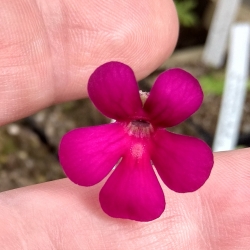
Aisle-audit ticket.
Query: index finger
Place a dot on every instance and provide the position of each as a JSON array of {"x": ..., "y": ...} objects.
[{"x": 62, "y": 215}]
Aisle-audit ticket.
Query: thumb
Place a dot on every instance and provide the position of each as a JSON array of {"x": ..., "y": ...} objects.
[{"x": 49, "y": 48}]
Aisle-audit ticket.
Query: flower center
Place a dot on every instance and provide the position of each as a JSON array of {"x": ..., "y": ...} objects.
[
  {"x": 139, "y": 128},
  {"x": 140, "y": 123}
]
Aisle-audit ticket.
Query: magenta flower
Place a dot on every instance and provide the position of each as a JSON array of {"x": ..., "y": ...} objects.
[{"x": 137, "y": 141}]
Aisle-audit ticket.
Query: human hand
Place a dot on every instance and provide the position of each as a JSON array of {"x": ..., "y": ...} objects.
[
  {"x": 62, "y": 215},
  {"x": 48, "y": 50}
]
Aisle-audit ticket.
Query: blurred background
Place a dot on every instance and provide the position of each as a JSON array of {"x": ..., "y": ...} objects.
[{"x": 28, "y": 148}]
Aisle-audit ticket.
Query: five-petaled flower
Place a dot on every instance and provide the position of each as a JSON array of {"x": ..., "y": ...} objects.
[{"x": 137, "y": 142}]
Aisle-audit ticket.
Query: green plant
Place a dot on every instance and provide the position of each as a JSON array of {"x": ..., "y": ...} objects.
[
  {"x": 213, "y": 83},
  {"x": 185, "y": 12}
]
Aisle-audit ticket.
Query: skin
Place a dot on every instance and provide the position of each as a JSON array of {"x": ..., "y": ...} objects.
[{"x": 48, "y": 49}]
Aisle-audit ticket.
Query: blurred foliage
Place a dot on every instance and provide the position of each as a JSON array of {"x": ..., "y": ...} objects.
[
  {"x": 213, "y": 83},
  {"x": 186, "y": 14}
]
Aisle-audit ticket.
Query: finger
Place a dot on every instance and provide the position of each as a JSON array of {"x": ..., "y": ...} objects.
[
  {"x": 227, "y": 198},
  {"x": 48, "y": 49},
  {"x": 62, "y": 215}
]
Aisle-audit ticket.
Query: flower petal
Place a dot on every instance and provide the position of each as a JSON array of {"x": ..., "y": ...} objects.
[
  {"x": 175, "y": 96},
  {"x": 87, "y": 155},
  {"x": 114, "y": 91},
  {"x": 184, "y": 163},
  {"x": 133, "y": 191}
]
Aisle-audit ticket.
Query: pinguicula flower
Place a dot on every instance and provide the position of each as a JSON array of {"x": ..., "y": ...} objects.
[{"x": 137, "y": 142}]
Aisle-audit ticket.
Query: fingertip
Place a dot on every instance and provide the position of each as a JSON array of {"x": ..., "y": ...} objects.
[
  {"x": 67, "y": 40},
  {"x": 141, "y": 34}
]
